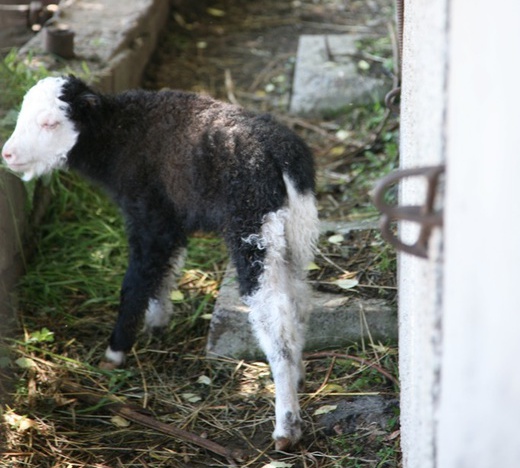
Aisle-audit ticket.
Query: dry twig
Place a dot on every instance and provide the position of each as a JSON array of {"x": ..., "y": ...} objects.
[
  {"x": 331, "y": 354},
  {"x": 135, "y": 415}
]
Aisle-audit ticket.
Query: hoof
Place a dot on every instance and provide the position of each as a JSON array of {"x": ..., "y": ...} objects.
[
  {"x": 112, "y": 360},
  {"x": 108, "y": 365},
  {"x": 283, "y": 444},
  {"x": 288, "y": 431}
]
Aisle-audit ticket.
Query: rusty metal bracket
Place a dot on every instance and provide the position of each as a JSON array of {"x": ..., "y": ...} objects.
[
  {"x": 425, "y": 215},
  {"x": 392, "y": 99}
]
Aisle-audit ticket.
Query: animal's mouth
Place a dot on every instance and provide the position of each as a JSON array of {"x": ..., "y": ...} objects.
[
  {"x": 17, "y": 167},
  {"x": 20, "y": 169}
]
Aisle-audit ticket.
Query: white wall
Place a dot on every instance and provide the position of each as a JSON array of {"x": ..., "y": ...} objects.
[
  {"x": 460, "y": 317},
  {"x": 480, "y": 402},
  {"x": 422, "y": 144}
]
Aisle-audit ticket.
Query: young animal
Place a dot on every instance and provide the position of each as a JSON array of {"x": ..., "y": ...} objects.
[{"x": 177, "y": 162}]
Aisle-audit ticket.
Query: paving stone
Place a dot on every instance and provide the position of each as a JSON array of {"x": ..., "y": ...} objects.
[
  {"x": 327, "y": 76},
  {"x": 336, "y": 320},
  {"x": 114, "y": 40}
]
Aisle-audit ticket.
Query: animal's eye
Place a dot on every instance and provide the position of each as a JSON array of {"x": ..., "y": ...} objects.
[{"x": 50, "y": 124}]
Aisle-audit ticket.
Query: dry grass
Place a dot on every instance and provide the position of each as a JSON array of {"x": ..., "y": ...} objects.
[{"x": 229, "y": 402}]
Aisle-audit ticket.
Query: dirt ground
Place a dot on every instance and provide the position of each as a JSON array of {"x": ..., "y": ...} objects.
[{"x": 64, "y": 411}]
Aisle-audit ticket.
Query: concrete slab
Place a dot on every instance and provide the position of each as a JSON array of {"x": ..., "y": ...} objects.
[
  {"x": 114, "y": 40},
  {"x": 336, "y": 321},
  {"x": 327, "y": 77}
]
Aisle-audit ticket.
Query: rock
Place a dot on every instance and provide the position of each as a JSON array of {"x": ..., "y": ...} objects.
[
  {"x": 327, "y": 76},
  {"x": 359, "y": 413},
  {"x": 337, "y": 320}
]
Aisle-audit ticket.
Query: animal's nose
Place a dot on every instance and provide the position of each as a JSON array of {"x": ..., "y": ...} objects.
[{"x": 6, "y": 154}]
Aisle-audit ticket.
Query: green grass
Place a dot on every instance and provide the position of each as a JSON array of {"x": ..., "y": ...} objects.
[
  {"x": 80, "y": 251},
  {"x": 16, "y": 77},
  {"x": 81, "y": 256}
]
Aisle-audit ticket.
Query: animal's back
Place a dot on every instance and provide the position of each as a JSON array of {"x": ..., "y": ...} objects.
[{"x": 220, "y": 158}]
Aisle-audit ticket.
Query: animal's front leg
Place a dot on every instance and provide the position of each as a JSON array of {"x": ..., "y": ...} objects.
[
  {"x": 135, "y": 295},
  {"x": 148, "y": 268}
]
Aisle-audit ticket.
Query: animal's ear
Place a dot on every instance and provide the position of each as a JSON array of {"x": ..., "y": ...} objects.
[{"x": 89, "y": 100}]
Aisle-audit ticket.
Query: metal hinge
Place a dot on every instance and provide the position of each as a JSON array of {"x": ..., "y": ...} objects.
[{"x": 426, "y": 215}]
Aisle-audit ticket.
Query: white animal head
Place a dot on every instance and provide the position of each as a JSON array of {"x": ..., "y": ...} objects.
[{"x": 44, "y": 134}]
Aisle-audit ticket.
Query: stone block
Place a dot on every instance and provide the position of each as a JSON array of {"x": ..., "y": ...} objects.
[
  {"x": 113, "y": 39},
  {"x": 336, "y": 320},
  {"x": 327, "y": 77}
]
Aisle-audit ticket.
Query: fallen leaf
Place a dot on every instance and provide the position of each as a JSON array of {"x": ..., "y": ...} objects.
[
  {"x": 337, "y": 151},
  {"x": 312, "y": 266},
  {"x": 204, "y": 380},
  {"x": 343, "y": 135},
  {"x": 336, "y": 239},
  {"x": 20, "y": 423},
  {"x": 363, "y": 65},
  {"x": 278, "y": 464},
  {"x": 332, "y": 388},
  {"x": 269, "y": 87},
  {"x": 119, "y": 421},
  {"x": 324, "y": 409},
  {"x": 25, "y": 363},
  {"x": 216, "y": 12},
  {"x": 191, "y": 397},
  {"x": 177, "y": 296},
  {"x": 346, "y": 283}
]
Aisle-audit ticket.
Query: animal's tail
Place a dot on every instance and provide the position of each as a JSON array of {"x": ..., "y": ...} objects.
[{"x": 301, "y": 226}]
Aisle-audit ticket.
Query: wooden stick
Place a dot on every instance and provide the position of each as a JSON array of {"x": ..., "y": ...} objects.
[
  {"x": 332, "y": 354},
  {"x": 135, "y": 415}
]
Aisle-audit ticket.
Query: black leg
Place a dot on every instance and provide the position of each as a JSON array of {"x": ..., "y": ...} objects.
[{"x": 152, "y": 241}]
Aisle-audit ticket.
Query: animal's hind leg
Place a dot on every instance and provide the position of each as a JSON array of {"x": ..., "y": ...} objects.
[
  {"x": 278, "y": 318},
  {"x": 160, "y": 308}
]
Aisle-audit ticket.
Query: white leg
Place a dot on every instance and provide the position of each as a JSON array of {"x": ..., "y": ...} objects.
[
  {"x": 272, "y": 317},
  {"x": 160, "y": 308},
  {"x": 279, "y": 310}
]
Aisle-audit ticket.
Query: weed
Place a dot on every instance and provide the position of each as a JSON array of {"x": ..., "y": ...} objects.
[{"x": 16, "y": 78}]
